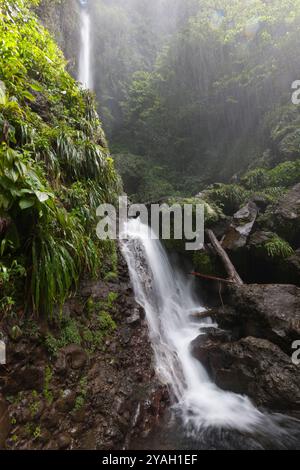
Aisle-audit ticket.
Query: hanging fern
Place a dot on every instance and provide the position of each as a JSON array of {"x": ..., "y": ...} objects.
[{"x": 278, "y": 248}]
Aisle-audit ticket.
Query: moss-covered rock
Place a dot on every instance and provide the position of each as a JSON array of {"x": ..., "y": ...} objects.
[{"x": 283, "y": 218}]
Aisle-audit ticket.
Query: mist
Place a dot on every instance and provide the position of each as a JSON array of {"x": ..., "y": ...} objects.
[{"x": 193, "y": 88}]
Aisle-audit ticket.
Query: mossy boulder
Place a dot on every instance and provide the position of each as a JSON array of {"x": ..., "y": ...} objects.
[{"x": 283, "y": 218}]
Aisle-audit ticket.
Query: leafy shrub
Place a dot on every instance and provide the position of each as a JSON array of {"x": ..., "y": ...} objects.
[
  {"x": 68, "y": 334},
  {"x": 106, "y": 322},
  {"x": 283, "y": 175},
  {"x": 229, "y": 197},
  {"x": 81, "y": 397},
  {"x": 47, "y": 384},
  {"x": 286, "y": 174},
  {"x": 256, "y": 179},
  {"x": 278, "y": 248}
]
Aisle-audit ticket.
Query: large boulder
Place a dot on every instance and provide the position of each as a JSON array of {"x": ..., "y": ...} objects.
[
  {"x": 252, "y": 366},
  {"x": 270, "y": 311},
  {"x": 72, "y": 356},
  {"x": 259, "y": 266},
  {"x": 294, "y": 265},
  {"x": 241, "y": 227},
  {"x": 259, "y": 238},
  {"x": 284, "y": 217},
  {"x": 27, "y": 377}
]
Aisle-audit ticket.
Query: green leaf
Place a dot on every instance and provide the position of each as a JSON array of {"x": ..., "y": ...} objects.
[
  {"x": 4, "y": 202},
  {"x": 2, "y": 93},
  {"x": 36, "y": 87},
  {"x": 11, "y": 174},
  {"x": 26, "y": 203},
  {"x": 28, "y": 95},
  {"x": 42, "y": 197}
]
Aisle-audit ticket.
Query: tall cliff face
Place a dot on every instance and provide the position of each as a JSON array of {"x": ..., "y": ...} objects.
[{"x": 62, "y": 19}]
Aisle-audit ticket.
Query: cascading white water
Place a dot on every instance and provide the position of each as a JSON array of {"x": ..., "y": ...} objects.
[
  {"x": 169, "y": 303},
  {"x": 85, "y": 73}
]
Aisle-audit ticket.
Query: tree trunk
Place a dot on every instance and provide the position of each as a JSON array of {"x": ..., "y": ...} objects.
[{"x": 232, "y": 273}]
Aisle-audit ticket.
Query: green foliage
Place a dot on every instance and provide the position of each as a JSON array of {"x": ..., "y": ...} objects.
[
  {"x": 81, "y": 397},
  {"x": 210, "y": 94},
  {"x": 203, "y": 264},
  {"x": 278, "y": 248},
  {"x": 110, "y": 276},
  {"x": 16, "y": 333},
  {"x": 35, "y": 404},
  {"x": 256, "y": 179},
  {"x": 93, "y": 339},
  {"x": 90, "y": 306},
  {"x": 95, "y": 335},
  {"x": 54, "y": 168},
  {"x": 106, "y": 322},
  {"x": 90, "y": 336},
  {"x": 68, "y": 334},
  {"x": 47, "y": 383},
  {"x": 102, "y": 324},
  {"x": 31, "y": 329},
  {"x": 229, "y": 197},
  {"x": 60, "y": 253},
  {"x": 111, "y": 299},
  {"x": 270, "y": 184},
  {"x": 143, "y": 179},
  {"x": 285, "y": 174},
  {"x": 110, "y": 258},
  {"x": 37, "y": 432},
  {"x": 10, "y": 275}
]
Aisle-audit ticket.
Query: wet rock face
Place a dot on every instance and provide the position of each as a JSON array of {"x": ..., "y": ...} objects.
[
  {"x": 241, "y": 227},
  {"x": 260, "y": 237},
  {"x": 72, "y": 356},
  {"x": 294, "y": 262},
  {"x": 252, "y": 366},
  {"x": 79, "y": 398},
  {"x": 284, "y": 218},
  {"x": 252, "y": 355},
  {"x": 270, "y": 311}
]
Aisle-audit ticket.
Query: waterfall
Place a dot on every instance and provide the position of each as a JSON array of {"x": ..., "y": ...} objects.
[
  {"x": 169, "y": 302},
  {"x": 85, "y": 73}
]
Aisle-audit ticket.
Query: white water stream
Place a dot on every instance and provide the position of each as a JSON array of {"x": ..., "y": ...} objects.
[
  {"x": 85, "y": 73},
  {"x": 169, "y": 302}
]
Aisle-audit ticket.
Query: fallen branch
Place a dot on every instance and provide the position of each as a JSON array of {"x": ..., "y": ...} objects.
[
  {"x": 212, "y": 278},
  {"x": 232, "y": 273}
]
